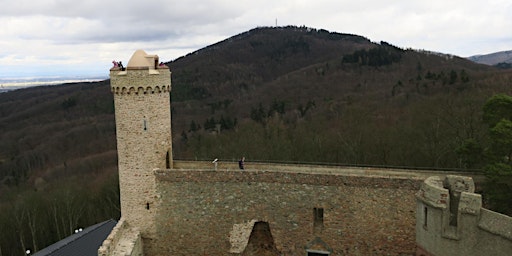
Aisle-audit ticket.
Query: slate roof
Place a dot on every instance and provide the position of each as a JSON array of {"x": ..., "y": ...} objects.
[{"x": 83, "y": 243}]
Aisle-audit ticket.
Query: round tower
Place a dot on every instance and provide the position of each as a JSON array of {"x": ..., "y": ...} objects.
[{"x": 143, "y": 129}]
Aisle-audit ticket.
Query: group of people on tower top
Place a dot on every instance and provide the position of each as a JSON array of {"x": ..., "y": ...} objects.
[{"x": 118, "y": 64}]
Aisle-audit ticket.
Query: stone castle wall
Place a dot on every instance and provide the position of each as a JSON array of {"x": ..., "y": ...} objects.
[
  {"x": 204, "y": 212},
  {"x": 451, "y": 220}
]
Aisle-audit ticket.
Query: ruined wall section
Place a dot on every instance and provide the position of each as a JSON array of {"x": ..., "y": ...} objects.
[
  {"x": 123, "y": 240},
  {"x": 143, "y": 128},
  {"x": 205, "y": 212},
  {"x": 451, "y": 220}
]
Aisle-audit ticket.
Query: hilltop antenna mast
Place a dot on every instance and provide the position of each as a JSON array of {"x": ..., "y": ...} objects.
[{"x": 276, "y": 22}]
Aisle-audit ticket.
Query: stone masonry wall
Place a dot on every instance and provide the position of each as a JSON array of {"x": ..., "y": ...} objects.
[
  {"x": 199, "y": 212},
  {"x": 143, "y": 128},
  {"x": 477, "y": 231}
]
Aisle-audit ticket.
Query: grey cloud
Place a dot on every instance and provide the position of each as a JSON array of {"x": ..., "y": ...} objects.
[
  {"x": 175, "y": 11},
  {"x": 122, "y": 21},
  {"x": 173, "y": 27}
]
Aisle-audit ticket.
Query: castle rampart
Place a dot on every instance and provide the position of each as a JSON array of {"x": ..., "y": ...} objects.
[
  {"x": 450, "y": 220},
  {"x": 135, "y": 81}
]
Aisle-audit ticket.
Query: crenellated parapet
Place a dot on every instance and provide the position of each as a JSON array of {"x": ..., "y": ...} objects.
[
  {"x": 140, "y": 81},
  {"x": 454, "y": 194},
  {"x": 450, "y": 220},
  {"x": 141, "y": 90},
  {"x": 433, "y": 193},
  {"x": 144, "y": 74}
]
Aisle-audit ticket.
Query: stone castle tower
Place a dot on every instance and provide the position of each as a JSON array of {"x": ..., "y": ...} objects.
[{"x": 143, "y": 126}]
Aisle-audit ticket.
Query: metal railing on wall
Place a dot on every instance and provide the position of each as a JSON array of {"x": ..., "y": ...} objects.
[{"x": 341, "y": 165}]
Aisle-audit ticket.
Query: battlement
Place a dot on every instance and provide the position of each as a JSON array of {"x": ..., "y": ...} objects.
[
  {"x": 441, "y": 193},
  {"x": 143, "y": 75},
  {"x": 132, "y": 90},
  {"x": 450, "y": 220}
]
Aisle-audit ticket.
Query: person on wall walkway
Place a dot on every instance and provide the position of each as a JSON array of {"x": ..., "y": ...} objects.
[{"x": 241, "y": 163}]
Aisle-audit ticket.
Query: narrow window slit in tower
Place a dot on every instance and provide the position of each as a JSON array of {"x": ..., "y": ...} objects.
[
  {"x": 145, "y": 126},
  {"x": 425, "y": 216},
  {"x": 147, "y": 206}
]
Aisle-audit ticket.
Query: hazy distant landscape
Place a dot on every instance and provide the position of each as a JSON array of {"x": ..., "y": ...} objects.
[
  {"x": 287, "y": 94},
  {"x": 493, "y": 58},
  {"x": 12, "y": 83}
]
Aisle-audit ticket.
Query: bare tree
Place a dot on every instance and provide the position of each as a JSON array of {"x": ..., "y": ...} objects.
[
  {"x": 32, "y": 225},
  {"x": 19, "y": 218}
]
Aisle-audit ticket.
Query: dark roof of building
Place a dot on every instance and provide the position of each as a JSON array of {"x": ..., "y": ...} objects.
[{"x": 84, "y": 243}]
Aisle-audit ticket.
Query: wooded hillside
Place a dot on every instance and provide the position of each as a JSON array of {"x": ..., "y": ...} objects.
[{"x": 291, "y": 94}]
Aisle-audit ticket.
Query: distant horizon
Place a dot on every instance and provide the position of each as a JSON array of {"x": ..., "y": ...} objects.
[
  {"x": 48, "y": 76},
  {"x": 57, "y": 72},
  {"x": 14, "y": 83}
]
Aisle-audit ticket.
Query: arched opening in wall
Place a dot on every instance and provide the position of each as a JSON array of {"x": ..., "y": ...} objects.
[{"x": 261, "y": 242}]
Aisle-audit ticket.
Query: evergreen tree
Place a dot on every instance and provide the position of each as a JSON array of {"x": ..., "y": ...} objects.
[
  {"x": 259, "y": 114},
  {"x": 498, "y": 116}
]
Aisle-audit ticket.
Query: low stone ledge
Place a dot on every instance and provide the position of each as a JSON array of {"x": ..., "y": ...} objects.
[
  {"x": 249, "y": 176},
  {"x": 496, "y": 223}
]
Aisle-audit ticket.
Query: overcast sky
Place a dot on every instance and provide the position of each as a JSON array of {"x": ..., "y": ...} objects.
[{"x": 62, "y": 37}]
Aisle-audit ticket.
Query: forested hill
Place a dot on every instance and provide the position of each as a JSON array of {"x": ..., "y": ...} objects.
[
  {"x": 288, "y": 77},
  {"x": 271, "y": 94},
  {"x": 320, "y": 96}
]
